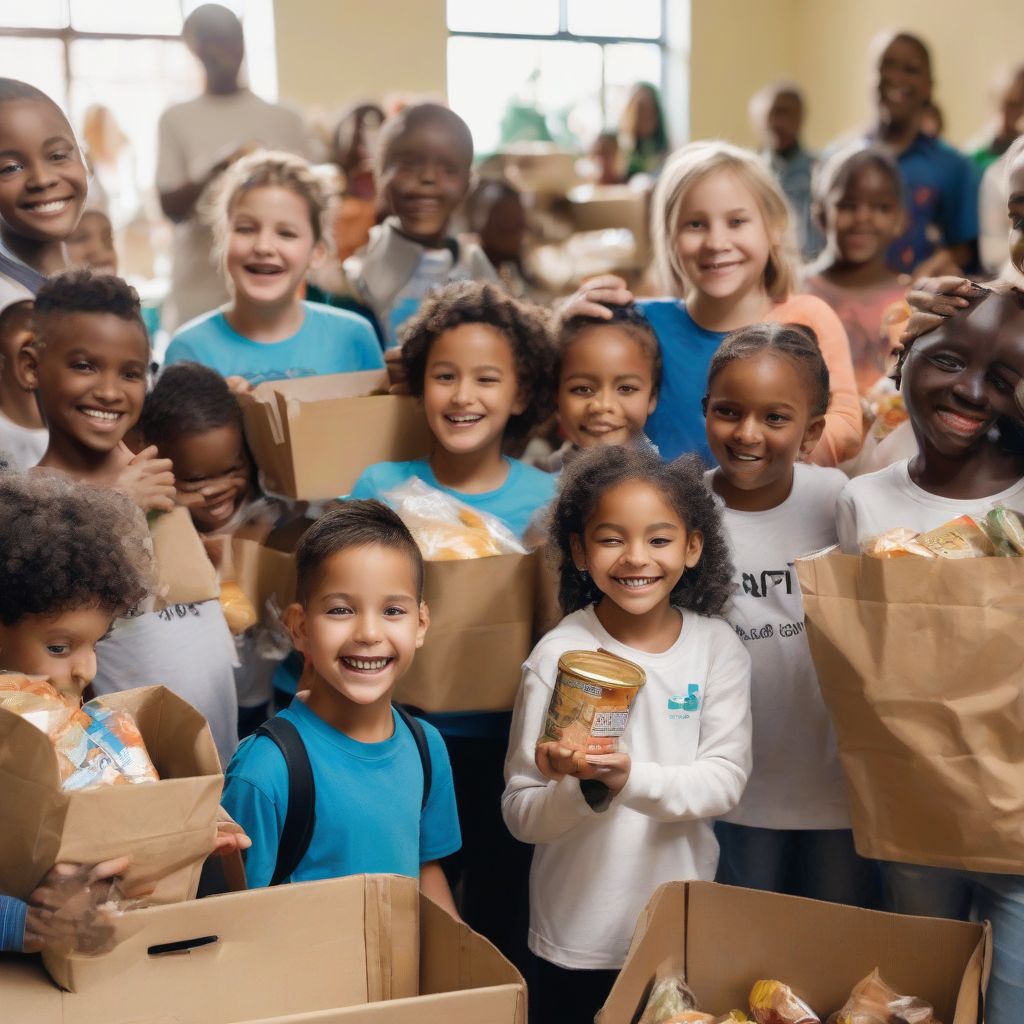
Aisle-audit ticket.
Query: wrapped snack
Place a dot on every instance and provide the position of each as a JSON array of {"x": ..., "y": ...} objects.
[
  {"x": 670, "y": 998},
  {"x": 771, "y": 1002},
  {"x": 447, "y": 529},
  {"x": 1006, "y": 531},
  {"x": 898, "y": 542},
  {"x": 959, "y": 538},
  {"x": 238, "y": 609},
  {"x": 731, "y": 1016},
  {"x": 116, "y": 733},
  {"x": 872, "y": 1001},
  {"x": 692, "y": 1017}
]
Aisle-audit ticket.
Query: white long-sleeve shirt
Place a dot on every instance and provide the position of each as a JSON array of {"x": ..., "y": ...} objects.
[{"x": 688, "y": 736}]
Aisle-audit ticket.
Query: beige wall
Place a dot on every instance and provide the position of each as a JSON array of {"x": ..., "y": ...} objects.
[{"x": 330, "y": 52}]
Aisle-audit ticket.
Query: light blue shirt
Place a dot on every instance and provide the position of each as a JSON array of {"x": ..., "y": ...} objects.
[
  {"x": 515, "y": 502},
  {"x": 329, "y": 341},
  {"x": 368, "y": 795}
]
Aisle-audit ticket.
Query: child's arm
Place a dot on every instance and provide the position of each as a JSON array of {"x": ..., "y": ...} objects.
[
  {"x": 593, "y": 298},
  {"x": 537, "y": 809},
  {"x": 713, "y": 784},
  {"x": 434, "y": 885},
  {"x": 257, "y": 814}
]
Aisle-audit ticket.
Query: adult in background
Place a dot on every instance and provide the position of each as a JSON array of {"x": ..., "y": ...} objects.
[{"x": 198, "y": 139}]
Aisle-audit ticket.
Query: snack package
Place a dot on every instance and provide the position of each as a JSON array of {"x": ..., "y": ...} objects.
[
  {"x": 446, "y": 529},
  {"x": 1005, "y": 529},
  {"x": 898, "y": 542},
  {"x": 117, "y": 735},
  {"x": 670, "y": 999},
  {"x": 959, "y": 538},
  {"x": 771, "y": 1002},
  {"x": 238, "y": 609},
  {"x": 872, "y": 1001},
  {"x": 692, "y": 1017}
]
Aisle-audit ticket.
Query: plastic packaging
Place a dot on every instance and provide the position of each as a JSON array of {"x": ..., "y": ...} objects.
[
  {"x": 771, "y": 1002},
  {"x": 669, "y": 999},
  {"x": 238, "y": 609},
  {"x": 447, "y": 529},
  {"x": 872, "y": 1001}
]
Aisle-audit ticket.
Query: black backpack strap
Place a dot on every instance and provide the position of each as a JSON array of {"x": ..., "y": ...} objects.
[
  {"x": 416, "y": 728},
  {"x": 300, "y": 817}
]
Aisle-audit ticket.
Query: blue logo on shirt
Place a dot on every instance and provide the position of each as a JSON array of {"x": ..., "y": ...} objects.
[{"x": 691, "y": 702}]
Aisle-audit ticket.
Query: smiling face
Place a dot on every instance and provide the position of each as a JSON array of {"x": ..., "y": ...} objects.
[
  {"x": 61, "y": 647},
  {"x": 865, "y": 216},
  {"x": 960, "y": 378},
  {"x": 360, "y": 626},
  {"x": 722, "y": 240},
  {"x": 470, "y": 388},
  {"x": 91, "y": 244},
  {"x": 42, "y": 176},
  {"x": 904, "y": 82},
  {"x": 636, "y": 548},
  {"x": 90, "y": 377},
  {"x": 212, "y": 473},
  {"x": 759, "y": 423},
  {"x": 605, "y": 388},
  {"x": 270, "y": 245},
  {"x": 425, "y": 176},
  {"x": 1015, "y": 211}
]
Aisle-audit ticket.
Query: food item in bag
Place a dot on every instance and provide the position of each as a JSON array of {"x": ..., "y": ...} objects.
[
  {"x": 590, "y": 702},
  {"x": 872, "y": 1001},
  {"x": 238, "y": 609},
  {"x": 1006, "y": 530},
  {"x": 771, "y": 1002},
  {"x": 692, "y": 1017},
  {"x": 117, "y": 735},
  {"x": 669, "y": 999},
  {"x": 898, "y": 542},
  {"x": 959, "y": 538}
]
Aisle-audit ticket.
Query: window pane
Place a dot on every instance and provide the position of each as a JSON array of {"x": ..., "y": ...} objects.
[
  {"x": 160, "y": 17},
  {"x": 539, "y": 89},
  {"x": 536, "y": 17},
  {"x": 32, "y": 14},
  {"x": 625, "y": 65},
  {"x": 638, "y": 18},
  {"x": 40, "y": 62}
]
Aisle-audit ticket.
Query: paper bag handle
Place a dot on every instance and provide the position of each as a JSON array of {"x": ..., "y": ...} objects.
[{"x": 181, "y": 945}]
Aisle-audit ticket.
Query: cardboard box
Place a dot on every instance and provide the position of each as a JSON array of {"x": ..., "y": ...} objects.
[
  {"x": 363, "y": 948},
  {"x": 597, "y": 207},
  {"x": 481, "y": 631},
  {"x": 727, "y": 938},
  {"x": 185, "y": 574},
  {"x": 167, "y": 827},
  {"x": 313, "y": 437}
]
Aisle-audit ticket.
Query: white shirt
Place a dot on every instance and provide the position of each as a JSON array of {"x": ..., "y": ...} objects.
[
  {"x": 192, "y": 138},
  {"x": 25, "y": 446},
  {"x": 880, "y": 501},
  {"x": 593, "y": 871},
  {"x": 796, "y": 781}
]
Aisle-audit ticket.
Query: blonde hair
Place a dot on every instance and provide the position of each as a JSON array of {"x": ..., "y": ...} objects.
[
  {"x": 691, "y": 164},
  {"x": 267, "y": 168}
]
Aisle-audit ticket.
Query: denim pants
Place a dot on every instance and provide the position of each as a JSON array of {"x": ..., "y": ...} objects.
[{"x": 971, "y": 895}]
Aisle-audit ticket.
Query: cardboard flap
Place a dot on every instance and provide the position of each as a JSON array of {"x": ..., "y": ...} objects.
[
  {"x": 392, "y": 937},
  {"x": 185, "y": 574},
  {"x": 325, "y": 386}
]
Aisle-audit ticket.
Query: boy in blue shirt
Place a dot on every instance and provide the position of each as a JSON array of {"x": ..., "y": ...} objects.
[{"x": 358, "y": 620}]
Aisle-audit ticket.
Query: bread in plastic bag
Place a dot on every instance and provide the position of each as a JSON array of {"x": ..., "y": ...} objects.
[
  {"x": 669, "y": 999},
  {"x": 771, "y": 1002},
  {"x": 872, "y": 1001}
]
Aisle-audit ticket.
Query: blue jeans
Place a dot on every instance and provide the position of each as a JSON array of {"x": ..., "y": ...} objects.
[
  {"x": 971, "y": 895},
  {"x": 820, "y": 864}
]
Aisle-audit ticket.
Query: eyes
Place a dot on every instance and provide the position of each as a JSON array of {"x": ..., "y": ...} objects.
[
  {"x": 952, "y": 364},
  {"x": 735, "y": 413},
  {"x": 448, "y": 377},
  {"x": 700, "y": 224},
  {"x": 133, "y": 374},
  {"x": 342, "y": 611},
  {"x": 58, "y": 650},
  {"x": 586, "y": 390},
  {"x": 11, "y": 167},
  {"x": 615, "y": 541},
  {"x": 253, "y": 229}
]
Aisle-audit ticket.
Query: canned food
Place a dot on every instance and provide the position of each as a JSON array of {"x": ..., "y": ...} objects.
[{"x": 590, "y": 704}]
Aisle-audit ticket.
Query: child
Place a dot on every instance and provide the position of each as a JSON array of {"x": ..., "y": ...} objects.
[
  {"x": 777, "y": 116},
  {"x": 194, "y": 419},
  {"x": 358, "y": 621},
  {"x": 859, "y": 204},
  {"x": 424, "y": 158},
  {"x": 23, "y": 434},
  {"x": 481, "y": 364},
  {"x": 958, "y": 385},
  {"x": 608, "y": 375},
  {"x": 767, "y": 395},
  {"x": 642, "y": 136},
  {"x": 91, "y": 244},
  {"x": 722, "y": 236},
  {"x": 497, "y": 216},
  {"x": 267, "y": 214},
  {"x": 87, "y": 367},
  {"x": 43, "y": 188},
  {"x": 644, "y": 568}
]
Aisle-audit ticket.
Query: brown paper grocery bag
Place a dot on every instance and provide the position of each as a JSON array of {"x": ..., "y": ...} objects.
[
  {"x": 921, "y": 665},
  {"x": 166, "y": 827},
  {"x": 185, "y": 574}
]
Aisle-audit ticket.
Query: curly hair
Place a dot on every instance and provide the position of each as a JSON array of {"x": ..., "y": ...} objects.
[
  {"x": 67, "y": 545},
  {"x": 188, "y": 399},
  {"x": 526, "y": 327},
  {"x": 706, "y": 588},
  {"x": 631, "y": 320},
  {"x": 794, "y": 342},
  {"x": 82, "y": 291}
]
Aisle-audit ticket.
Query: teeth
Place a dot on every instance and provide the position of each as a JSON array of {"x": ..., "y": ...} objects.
[
  {"x": 367, "y": 664},
  {"x": 99, "y": 414},
  {"x": 745, "y": 458},
  {"x": 465, "y": 419},
  {"x": 637, "y": 581},
  {"x": 50, "y": 207}
]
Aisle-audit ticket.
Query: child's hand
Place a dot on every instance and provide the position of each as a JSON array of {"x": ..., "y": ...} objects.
[
  {"x": 931, "y": 300},
  {"x": 554, "y": 761},
  {"x": 147, "y": 480},
  {"x": 593, "y": 298},
  {"x": 397, "y": 379},
  {"x": 231, "y": 838},
  {"x": 611, "y": 769},
  {"x": 238, "y": 385}
]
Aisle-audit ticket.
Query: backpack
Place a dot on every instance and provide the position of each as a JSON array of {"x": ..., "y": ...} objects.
[{"x": 300, "y": 818}]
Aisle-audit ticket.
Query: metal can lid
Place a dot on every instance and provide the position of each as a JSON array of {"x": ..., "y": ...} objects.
[{"x": 602, "y": 668}]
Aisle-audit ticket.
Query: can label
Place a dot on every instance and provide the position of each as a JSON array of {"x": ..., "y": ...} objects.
[{"x": 586, "y": 716}]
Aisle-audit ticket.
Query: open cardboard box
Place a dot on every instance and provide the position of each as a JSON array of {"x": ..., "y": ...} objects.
[
  {"x": 363, "y": 948},
  {"x": 597, "y": 207},
  {"x": 727, "y": 938},
  {"x": 313, "y": 437}
]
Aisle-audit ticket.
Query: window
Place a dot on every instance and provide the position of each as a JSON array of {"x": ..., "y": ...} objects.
[{"x": 558, "y": 70}]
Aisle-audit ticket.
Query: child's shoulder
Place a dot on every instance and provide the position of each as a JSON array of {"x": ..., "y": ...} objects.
[
  {"x": 887, "y": 480},
  {"x": 522, "y": 474},
  {"x": 205, "y": 325},
  {"x": 574, "y": 632},
  {"x": 819, "y": 482},
  {"x": 383, "y": 476},
  {"x": 333, "y": 318}
]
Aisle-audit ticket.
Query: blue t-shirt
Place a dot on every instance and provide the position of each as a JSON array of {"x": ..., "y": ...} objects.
[
  {"x": 368, "y": 795},
  {"x": 940, "y": 188},
  {"x": 677, "y": 424},
  {"x": 515, "y": 502},
  {"x": 329, "y": 341}
]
